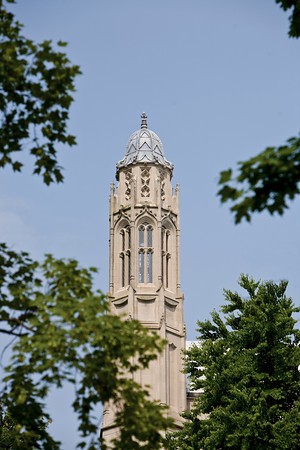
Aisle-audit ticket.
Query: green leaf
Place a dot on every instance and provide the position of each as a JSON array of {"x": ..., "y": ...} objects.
[{"x": 225, "y": 176}]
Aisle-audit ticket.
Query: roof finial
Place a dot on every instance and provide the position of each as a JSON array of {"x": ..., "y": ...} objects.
[{"x": 144, "y": 120}]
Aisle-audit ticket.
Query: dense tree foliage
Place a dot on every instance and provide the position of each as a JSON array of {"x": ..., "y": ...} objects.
[
  {"x": 247, "y": 365},
  {"x": 65, "y": 333},
  {"x": 36, "y": 85},
  {"x": 59, "y": 326},
  {"x": 271, "y": 178}
]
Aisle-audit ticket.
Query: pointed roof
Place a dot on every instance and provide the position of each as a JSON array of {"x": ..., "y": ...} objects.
[{"x": 144, "y": 146}]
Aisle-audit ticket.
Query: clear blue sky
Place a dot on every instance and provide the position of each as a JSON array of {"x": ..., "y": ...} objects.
[{"x": 219, "y": 81}]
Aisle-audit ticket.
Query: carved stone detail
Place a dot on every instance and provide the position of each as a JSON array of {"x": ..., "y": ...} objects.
[
  {"x": 145, "y": 179},
  {"x": 171, "y": 216},
  {"x": 122, "y": 214},
  {"x": 162, "y": 174},
  {"x": 128, "y": 178},
  {"x": 162, "y": 190},
  {"x": 144, "y": 211}
]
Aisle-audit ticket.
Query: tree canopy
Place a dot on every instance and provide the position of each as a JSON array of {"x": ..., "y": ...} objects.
[
  {"x": 60, "y": 326},
  {"x": 271, "y": 178},
  {"x": 36, "y": 88},
  {"x": 246, "y": 365},
  {"x": 65, "y": 333}
]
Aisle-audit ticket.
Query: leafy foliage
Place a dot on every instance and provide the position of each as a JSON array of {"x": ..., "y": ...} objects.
[
  {"x": 60, "y": 326},
  {"x": 65, "y": 333},
  {"x": 247, "y": 365},
  {"x": 294, "y": 18},
  {"x": 264, "y": 182},
  {"x": 268, "y": 180},
  {"x": 7, "y": 432},
  {"x": 140, "y": 421},
  {"x": 36, "y": 83}
]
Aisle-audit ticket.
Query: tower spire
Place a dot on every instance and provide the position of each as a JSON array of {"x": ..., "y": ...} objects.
[
  {"x": 144, "y": 120},
  {"x": 145, "y": 268}
]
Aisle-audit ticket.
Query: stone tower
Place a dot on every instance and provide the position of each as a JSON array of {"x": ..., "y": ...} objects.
[{"x": 145, "y": 263}]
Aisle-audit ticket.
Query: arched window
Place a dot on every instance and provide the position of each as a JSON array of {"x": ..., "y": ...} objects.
[
  {"x": 125, "y": 255},
  {"x": 145, "y": 253},
  {"x": 165, "y": 256}
]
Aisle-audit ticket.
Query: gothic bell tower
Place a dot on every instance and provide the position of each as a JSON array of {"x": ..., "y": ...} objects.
[{"x": 145, "y": 260}]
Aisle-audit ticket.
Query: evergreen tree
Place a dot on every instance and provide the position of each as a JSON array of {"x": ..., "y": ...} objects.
[{"x": 246, "y": 364}]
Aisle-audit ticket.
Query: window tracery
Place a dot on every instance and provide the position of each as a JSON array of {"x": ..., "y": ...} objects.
[
  {"x": 145, "y": 233},
  {"x": 125, "y": 255},
  {"x": 165, "y": 256}
]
